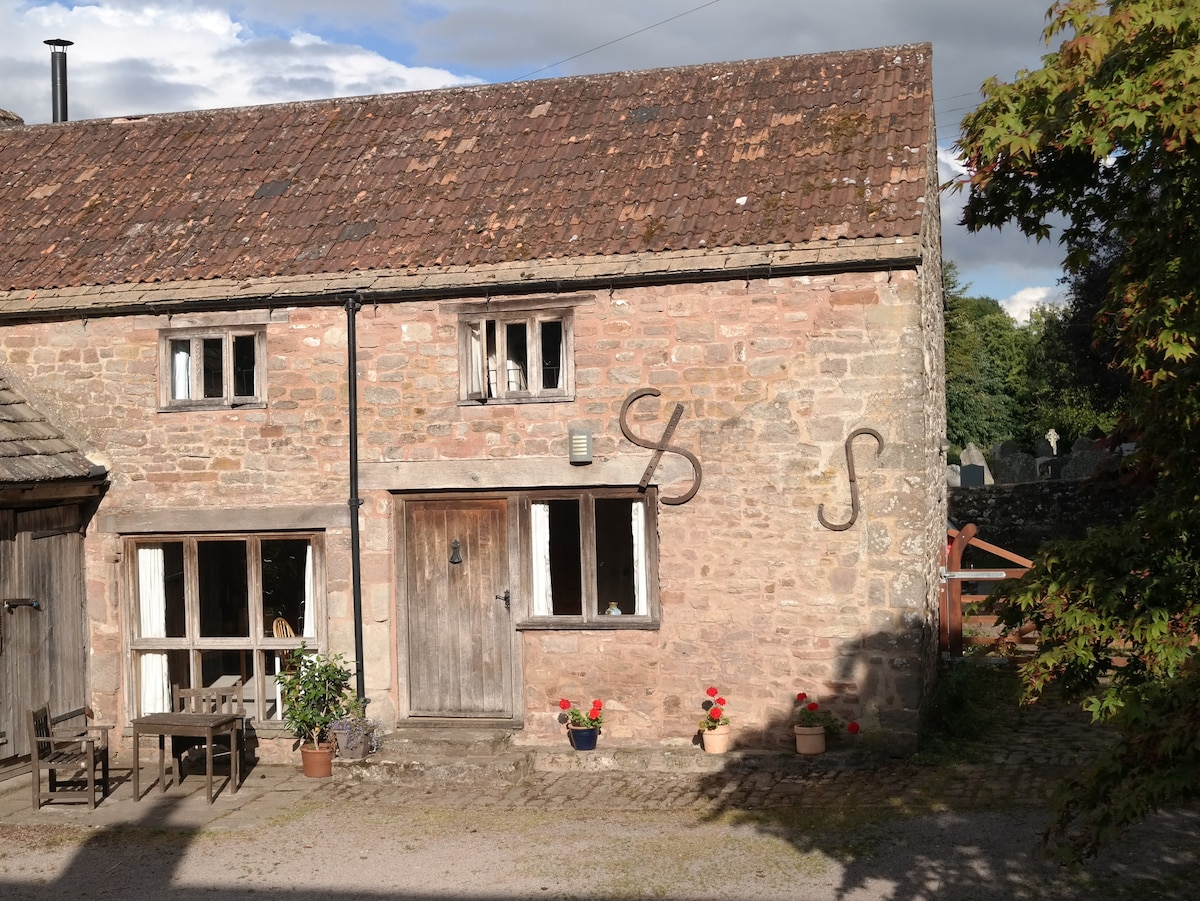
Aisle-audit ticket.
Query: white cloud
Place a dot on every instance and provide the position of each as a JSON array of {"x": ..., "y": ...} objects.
[
  {"x": 1021, "y": 304},
  {"x": 159, "y": 57}
]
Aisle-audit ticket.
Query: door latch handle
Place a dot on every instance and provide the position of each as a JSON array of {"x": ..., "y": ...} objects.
[{"x": 506, "y": 597}]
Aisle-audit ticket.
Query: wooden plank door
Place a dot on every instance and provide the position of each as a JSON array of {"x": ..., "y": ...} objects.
[
  {"x": 460, "y": 636},
  {"x": 43, "y": 651}
]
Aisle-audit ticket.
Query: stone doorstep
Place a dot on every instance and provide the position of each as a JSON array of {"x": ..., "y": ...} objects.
[{"x": 476, "y": 753}]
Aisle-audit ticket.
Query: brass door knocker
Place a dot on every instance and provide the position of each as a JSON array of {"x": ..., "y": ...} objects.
[{"x": 841, "y": 527}]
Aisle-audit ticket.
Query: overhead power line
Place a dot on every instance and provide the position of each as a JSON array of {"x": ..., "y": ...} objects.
[{"x": 618, "y": 40}]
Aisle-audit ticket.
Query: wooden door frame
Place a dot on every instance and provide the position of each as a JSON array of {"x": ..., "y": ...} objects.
[{"x": 516, "y": 576}]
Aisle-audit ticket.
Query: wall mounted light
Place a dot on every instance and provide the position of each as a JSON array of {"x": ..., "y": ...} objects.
[{"x": 579, "y": 451}]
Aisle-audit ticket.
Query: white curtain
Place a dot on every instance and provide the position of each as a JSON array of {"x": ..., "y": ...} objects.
[
  {"x": 152, "y": 623},
  {"x": 641, "y": 585},
  {"x": 181, "y": 370},
  {"x": 539, "y": 527},
  {"x": 308, "y": 611},
  {"x": 475, "y": 362}
]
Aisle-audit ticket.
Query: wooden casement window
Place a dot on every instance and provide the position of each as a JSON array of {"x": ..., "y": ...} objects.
[
  {"x": 212, "y": 368},
  {"x": 210, "y": 610},
  {"x": 517, "y": 357},
  {"x": 593, "y": 558}
]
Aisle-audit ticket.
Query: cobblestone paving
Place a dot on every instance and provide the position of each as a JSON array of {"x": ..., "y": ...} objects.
[{"x": 1021, "y": 765}]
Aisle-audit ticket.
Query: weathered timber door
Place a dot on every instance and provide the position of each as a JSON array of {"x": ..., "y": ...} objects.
[
  {"x": 43, "y": 649},
  {"x": 460, "y": 636}
]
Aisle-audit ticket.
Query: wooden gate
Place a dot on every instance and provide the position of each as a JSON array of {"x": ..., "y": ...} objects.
[
  {"x": 959, "y": 617},
  {"x": 43, "y": 629}
]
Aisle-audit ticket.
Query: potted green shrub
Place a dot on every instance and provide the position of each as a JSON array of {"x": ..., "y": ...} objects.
[{"x": 313, "y": 690}]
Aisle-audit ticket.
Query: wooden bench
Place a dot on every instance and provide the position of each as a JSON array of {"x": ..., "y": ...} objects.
[{"x": 55, "y": 747}]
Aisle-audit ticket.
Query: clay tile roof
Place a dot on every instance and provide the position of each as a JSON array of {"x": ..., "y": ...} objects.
[
  {"x": 775, "y": 151},
  {"x": 32, "y": 449}
]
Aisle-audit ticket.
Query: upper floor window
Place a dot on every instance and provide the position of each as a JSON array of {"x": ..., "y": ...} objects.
[
  {"x": 217, "y": 367},
  {"x": 517, "y": 356}
]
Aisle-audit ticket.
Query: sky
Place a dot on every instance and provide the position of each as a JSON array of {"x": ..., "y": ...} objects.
[{"x": 147, "y": 56}]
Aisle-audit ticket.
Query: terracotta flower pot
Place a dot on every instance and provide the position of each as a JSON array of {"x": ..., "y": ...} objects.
[
  {"x": 317, "y": 762},
  {"x": 810, "y": 739},
  {"x": 716, "y": 741}
]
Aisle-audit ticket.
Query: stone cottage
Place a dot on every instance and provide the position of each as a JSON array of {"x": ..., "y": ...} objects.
[{"x": 614, "y": 386}]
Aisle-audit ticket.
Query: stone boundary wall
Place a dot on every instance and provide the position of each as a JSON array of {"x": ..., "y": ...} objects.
[{"x": 1022, "y": 517}]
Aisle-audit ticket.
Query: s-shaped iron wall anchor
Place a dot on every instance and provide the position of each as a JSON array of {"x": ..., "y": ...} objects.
[{"x": 841, "y": 527}]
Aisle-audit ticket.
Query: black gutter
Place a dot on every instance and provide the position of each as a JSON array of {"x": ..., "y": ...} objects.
[
  {"x": 352, "y": 307},
  {"x": 492, "y": 289}
]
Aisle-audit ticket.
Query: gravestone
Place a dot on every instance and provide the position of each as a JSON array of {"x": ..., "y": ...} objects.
[
  {"x": 1085, "y": 463},
  {"x": 953, "y": 476},
  {"x": 972, "y": 475},
  {"x": 973, "y": 456},
  {"x": 1043, "y": 448},
  {"x": 1015, "y": 469}
]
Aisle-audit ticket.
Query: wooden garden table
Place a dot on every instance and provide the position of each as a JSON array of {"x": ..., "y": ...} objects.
[{"x": 195, "y": 725}]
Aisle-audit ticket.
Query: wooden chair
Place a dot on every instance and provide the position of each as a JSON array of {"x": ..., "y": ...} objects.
[
  {"x": 222, "y": 699},
  {"x": 75, "y": 748}
]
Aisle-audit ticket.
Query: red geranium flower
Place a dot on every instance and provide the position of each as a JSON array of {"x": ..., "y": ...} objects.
[
  {"x": 813, "y": 705},
  {"x": 720, "y": 701},
  {"x": 715, "y": 712},
  {"x": 564, "y": 704},
  {"x": 711, "y": 691},
  {"x": 802, "y": 696},
  {"x": 597, "y": 704},
  {"x": 852, "y": 727}
]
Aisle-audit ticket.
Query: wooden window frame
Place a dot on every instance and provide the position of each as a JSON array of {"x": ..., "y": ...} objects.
[
  {"x": 196, "y": 337},
  {"x": 473, "y": 362},
  {"x": 591, "y": 617},
  {"x": 257, "y": 642}
]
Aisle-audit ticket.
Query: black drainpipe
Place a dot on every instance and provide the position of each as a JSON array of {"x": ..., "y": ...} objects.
[
  {"x": 58, "y": 77},
  {"x": 352, "y": 306}
]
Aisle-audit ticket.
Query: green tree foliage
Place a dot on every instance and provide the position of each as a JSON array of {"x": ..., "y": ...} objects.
[
  {"x": 1105, "y": 136},
  {"x": 985, "y": 366},
  {"x": 1072, "y": 385}
]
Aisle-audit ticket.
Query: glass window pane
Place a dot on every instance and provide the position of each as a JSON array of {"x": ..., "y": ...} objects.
[
  {"x": 181, "y": 370},
  {"x": 160, "y": 591},
  {"x": 286, "y": 581},
  {"x": 552, "y": 344},
  {"x": 614, "y": 554},
  {"x": 492, "y": 356},
  {"x": 243, "y": 366},
  {"x": 516, "y": 357},
  {"x": 565, "y": 559},
  {"x": 223, "y": 589},
  {"x": 214, "y": 361}
]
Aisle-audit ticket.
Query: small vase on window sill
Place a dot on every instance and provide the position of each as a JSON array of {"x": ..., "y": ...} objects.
[{"x": 613, "y": 609}]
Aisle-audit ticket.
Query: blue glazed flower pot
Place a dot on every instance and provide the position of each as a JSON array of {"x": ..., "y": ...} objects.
[{"x": 583, "y": 739}]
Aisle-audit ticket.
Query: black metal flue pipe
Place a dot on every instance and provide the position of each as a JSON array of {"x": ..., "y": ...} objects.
[{"x": 58, "y": 77}]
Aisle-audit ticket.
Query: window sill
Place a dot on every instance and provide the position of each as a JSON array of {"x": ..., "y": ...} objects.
[
  {"x": 579, "y": 624},
  {"x": 197, "y": 406},
  {"x": 504, "y": 401}
]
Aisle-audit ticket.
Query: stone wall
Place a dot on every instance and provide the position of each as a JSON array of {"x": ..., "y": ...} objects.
[
  {"x": 757, "y": 597},
  {"x": 1022, "y": 517}
]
